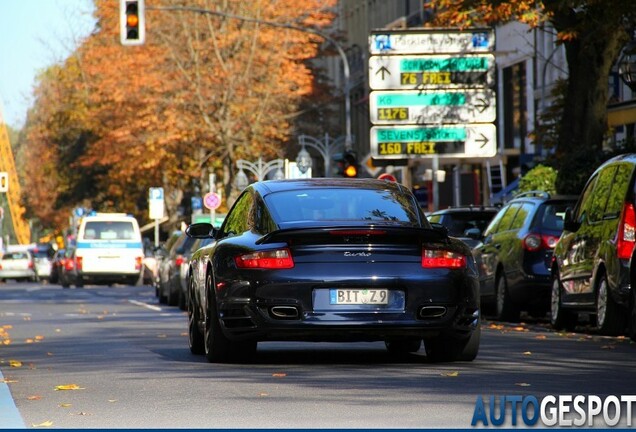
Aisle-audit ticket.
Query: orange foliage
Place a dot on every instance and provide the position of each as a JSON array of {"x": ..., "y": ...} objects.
[{"x": 203, "y": 91}]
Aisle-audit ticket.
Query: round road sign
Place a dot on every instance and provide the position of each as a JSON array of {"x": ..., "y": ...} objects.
[{"x": 212, "y": 200}]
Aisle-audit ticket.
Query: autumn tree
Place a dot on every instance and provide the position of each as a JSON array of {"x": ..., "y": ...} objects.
[
  {"x": 593, "y": 32},
  {"x": 202, "y": 92}
]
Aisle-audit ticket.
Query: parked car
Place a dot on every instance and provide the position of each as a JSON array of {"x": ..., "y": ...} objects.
[
  {"x": 57, "y": 262},
  {"x": 69, "y": 274},
  {"x": 42, "y": 254},
  {"x": 171, "y": 267},
  {"x": 467, "y": 223},
  {"x": 183, "y": 272},
  {"x": 515, "y": 254},
  {"x": 17, "y": 265},
  {"x": 331, "y": 260},
  {"x": 592, "y": 269}
]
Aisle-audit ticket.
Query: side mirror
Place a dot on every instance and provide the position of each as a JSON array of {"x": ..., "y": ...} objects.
[
  {"x": 473, "y": 233},
  {"x": 440, "y": 228},
  {"x": 201, "y": 230},
  {"x": 569, "y": 224}
]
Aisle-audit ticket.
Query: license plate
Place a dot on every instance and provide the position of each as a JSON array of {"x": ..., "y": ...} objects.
[{"x": 358, "y": 296}]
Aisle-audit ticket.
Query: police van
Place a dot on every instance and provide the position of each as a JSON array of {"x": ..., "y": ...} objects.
[{"x": 109, "y": 249}]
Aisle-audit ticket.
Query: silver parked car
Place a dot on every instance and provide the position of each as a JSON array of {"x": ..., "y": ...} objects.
[{"x": 17, "y": 265}]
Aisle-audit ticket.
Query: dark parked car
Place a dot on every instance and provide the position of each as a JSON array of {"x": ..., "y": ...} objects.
[
  {"x": 331, "y": 260},
  {"x": 593, "y": 261},
  {"x": 515, "y": 255},
  {"x": 170, "y": 268},
  {"x": 57, "y": 263},
  {"x": 467, "y": 223}
]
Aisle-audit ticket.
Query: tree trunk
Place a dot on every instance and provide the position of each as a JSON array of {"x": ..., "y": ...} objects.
[{"x": 584, "y": 125}]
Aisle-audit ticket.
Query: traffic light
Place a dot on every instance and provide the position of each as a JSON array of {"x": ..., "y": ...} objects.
[
  {"x": 4, "y": 182},
  {"x": 131, "y": 22},
  {"x": 350, "y": 167}
]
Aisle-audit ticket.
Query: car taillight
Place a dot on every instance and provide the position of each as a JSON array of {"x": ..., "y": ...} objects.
[
  {"x": 30, "y": 265},
  {"x": 68, "y": 265},
  {"x": 78, "y": 263},
  {"x": 534, "y": 242},
  {"x": 179, "y": 260},
  {"x": 442, "y": 259},
  {"x": 627, "y": 232},
  {"x": 138, "y": 262},
  {"x": 274, "y": 259}
]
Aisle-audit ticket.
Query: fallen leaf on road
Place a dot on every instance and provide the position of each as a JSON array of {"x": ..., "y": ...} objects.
[
  {"x": 15, "y": 363},
  {"x": 527, "y": 353},
  {"x": 541, "y": 337},
  {"x": 112, "y": 400},
  {"x": 279, "y": 374},
  {"x": 6, "y": 341},
  {"x": 263, "y": 394},
  {"x": 523, "y": 384},
  {"x": 65, "y": 405},
  {"x": 34, "y": 397},
  {"x": 69, "y": 387},
  {"x": 7, "y": 381},
  {"x": 47, "y": 423},
  {"x": 609, "y": 347},
  {"x": 496, "y": 326},
  {"x": 451, "y": 374},
  {"x": 39, "y": 338}
]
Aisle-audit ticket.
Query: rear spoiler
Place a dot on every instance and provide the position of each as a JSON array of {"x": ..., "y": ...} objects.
[{"x": 435, "y": 234}]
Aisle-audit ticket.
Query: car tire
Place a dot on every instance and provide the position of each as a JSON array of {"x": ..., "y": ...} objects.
[
  {"x": 560, "y": 319},
  {"x": 505, "y": 309},
  {"x": 195, "y": 337},
  {"x": 403, "y": 346},
  {"x": 173, "y": 296},
  {"x": 610, "y": 317},
  {"x": 470, "y": 351},
  {"x": 631, "y": 327},
  {"x": 449, "y": 349}
]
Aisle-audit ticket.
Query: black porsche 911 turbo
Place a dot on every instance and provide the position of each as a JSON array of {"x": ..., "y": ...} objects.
[{"x": 330, "y": 259}]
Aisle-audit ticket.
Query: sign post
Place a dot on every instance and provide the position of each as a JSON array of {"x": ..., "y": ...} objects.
[{"x": 156, "y": 208}]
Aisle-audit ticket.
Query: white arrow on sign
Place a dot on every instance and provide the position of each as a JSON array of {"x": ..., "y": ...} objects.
[
  {"x": 432, "y": 106},
  {"x": 419, "y": 141}
]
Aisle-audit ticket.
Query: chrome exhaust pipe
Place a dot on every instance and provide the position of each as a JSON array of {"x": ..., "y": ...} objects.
[
  {"x": 284, "y": 312},
  {"x": 432, "y": 311}
]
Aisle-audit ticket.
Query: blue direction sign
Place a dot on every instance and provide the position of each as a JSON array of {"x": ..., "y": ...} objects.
[
  {"x": 432, "y": 106},
  {"x": 432, "y": 41},
  {"x": 404, "y": 142}
]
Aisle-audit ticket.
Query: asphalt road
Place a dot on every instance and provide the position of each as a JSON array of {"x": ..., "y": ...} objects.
[{"x": 112, "y": 357}]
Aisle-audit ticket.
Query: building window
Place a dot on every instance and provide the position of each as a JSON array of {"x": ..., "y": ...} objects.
[{"x": 515, "y": 111}]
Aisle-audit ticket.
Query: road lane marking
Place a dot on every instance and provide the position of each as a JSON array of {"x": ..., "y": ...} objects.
[
  {"x": 146, "y": 305},
  {"x": 10, "y": 417}
]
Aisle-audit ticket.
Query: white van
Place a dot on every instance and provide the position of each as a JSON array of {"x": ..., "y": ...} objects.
[{"x": 109, "y": 249}]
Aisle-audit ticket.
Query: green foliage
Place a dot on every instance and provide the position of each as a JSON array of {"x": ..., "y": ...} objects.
[{"x": 541, "y": 178}]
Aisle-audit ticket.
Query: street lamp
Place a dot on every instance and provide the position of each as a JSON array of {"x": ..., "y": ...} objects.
[
  {"x": 303, "y": 160},
  {"x": 327, "y": 149},
  {"x": 259, "y": 169}
]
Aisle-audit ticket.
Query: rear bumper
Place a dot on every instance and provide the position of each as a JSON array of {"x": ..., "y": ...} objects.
[{"x": 102, "y": 278}]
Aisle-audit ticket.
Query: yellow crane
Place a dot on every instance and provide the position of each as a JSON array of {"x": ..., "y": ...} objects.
[{"x": 7, "y": 165}]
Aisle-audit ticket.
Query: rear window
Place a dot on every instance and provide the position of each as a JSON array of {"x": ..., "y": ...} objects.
[
  {"x": 109, "y": 230},
  {"x": 551, "y": 215},
  {"x": 458, "y": 223},
  {"x": 15, "y": 256},
  {"x": 343, "y": 205}
]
